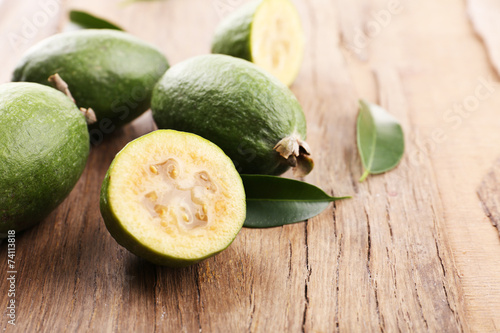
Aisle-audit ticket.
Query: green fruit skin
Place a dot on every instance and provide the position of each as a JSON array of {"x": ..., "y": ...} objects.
[
  {"x": 232, "y": 36},
  {"x": 231, "y": 102},
  {"x": 44, "y": 145},
  {"x": 109, "y": 71},
  {"x": 128, "y": 240}
]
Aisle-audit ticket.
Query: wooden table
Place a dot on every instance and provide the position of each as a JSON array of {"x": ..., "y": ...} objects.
[{"x": 414, "y": 250}]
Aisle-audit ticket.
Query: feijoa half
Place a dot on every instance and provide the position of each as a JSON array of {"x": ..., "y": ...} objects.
[
  {"x": 247, "y": 112},
  {"x": 173, "y": 198},
  {"x": 267, "y": 33},
  {"x": 110, "y": 71},
  {"x": 44, "y": 145}
]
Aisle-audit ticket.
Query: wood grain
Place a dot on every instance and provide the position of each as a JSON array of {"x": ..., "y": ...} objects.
[
  {"x": 489, "y": 195},
  {"x": 485, "y": 17},
  {"x": 412, "y": 251}
]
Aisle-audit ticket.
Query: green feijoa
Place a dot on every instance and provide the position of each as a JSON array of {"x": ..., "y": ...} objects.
[
  {"x": 110, "y": 71},
  {"x": 247, "y": 112},
  {"x": 44, "y": 145}
]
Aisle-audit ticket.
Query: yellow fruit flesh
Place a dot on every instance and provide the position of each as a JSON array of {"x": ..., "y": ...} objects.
[
  {"x": 180, "y": 201},
  {"x": 277, "y": 40},
  {"x": 177, "y": 194}
]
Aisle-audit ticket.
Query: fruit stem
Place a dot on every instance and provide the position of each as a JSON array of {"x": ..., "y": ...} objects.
[
  {"x": 89, "y": 115},
  {"x": 296, "y": 152},
  {"x": 58, "y": 83},
  {"x": 364, "y": 176}
]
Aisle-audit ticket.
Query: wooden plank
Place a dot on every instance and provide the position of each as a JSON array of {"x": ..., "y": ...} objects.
[
  {"x": 443, "y": 66},
  {"x": 401, "y": 255},
  {"x": 460, "y": 151}
]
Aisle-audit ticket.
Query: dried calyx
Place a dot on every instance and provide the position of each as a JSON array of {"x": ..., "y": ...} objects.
[
  {"x": 58, "y": 83},
  {"x": 297, "y": 153}
]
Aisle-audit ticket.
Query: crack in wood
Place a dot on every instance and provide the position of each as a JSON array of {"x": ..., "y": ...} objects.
[
  {"x": 368, "y": 268},
  {"x": 155, "y": 284},
  {"x": 179, "y": 311},
  {"x": 388, "y": 214},
  {"x": 252, "y": 304},
  {"x": 489, "y": 198},
  {"x": 369, "y": 244},
  {"x": 397, "y": 324},
  {"x": 444, "y": 284},
  {"x": 388, "y": 219},
  {"x": 377, "y": 306},
  {"x": 439, "y": 257},
  {"x": 198, "y": 294},
  {"x": 307, "y": 279},
  {"x": 443, "y": 268},
  {"x": 334, "y": 217},
  {"x": 337, "y": 286},
  {"x": 488, "y": 212},
  {"x": 419, "y": 302}
]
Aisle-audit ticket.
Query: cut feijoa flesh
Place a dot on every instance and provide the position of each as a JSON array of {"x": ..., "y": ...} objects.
[
  {"x": 267, "y": 33},
  {"x": 243, "y": 109},
  {"x": 173, "y": 198},
  {"x": 44, "y": 145}
]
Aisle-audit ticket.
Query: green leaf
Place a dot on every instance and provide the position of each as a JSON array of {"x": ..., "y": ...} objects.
[
  {"x": 380, "y": 139},
  {"x": 84, "y": 20},
  {"x": 275, "y": 201}
]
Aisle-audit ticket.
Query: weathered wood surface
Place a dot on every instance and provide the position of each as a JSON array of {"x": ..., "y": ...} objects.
[
  {"x": 412, "y": 251},
  {"x": 490, "y": 196}
]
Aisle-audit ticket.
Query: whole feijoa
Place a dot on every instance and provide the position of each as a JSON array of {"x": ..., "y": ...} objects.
[
  {"x": 44, "y": 145},
  {"x": 110, "y": 71},
  {"x": 247, "y": 112}
]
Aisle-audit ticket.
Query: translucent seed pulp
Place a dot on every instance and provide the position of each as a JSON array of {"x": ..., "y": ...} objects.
[{"x": 179, "y": 200}]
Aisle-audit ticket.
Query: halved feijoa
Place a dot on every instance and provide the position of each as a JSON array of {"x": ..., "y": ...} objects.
[
  {"x": 266, "y": 32},
  {"x": 173, "y": 198},
  {"x": 44, "y": 145}
]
